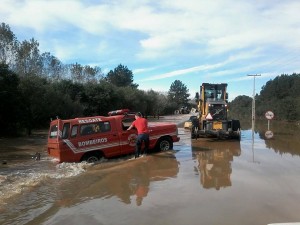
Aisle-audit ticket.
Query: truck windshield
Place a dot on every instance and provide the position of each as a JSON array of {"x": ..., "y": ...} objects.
[{"x": 214, "y": 92}]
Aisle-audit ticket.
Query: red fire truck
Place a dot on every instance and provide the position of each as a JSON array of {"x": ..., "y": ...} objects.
[{"x": 92, "y": 138}]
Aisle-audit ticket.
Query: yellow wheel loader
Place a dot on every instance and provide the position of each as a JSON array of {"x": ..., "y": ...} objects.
[{"x": 212, "y": 103}]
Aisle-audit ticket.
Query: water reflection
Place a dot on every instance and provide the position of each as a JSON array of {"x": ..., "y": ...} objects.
[
  {"x": 214, "y": 161},
  {"x": 128, "y": 181},
  {"x": 285, "y": 136}
]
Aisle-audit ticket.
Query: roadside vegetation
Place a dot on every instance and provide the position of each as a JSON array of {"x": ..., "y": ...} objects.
[
  {"x": 281, "y": 95},
  {"x": 35, "y": 87}
]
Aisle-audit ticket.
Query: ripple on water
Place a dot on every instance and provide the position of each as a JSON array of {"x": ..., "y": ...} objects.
[{"x": 24, "y": 177}]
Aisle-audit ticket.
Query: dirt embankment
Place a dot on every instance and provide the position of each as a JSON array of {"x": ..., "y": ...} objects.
[{"x": 36, "y": 140}]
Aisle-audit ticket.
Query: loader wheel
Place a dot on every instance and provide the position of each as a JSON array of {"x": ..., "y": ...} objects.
[
  {"x": 239, "y": 134},
  {"x": 236, "y": 125},
  {"x": 193, "y": 135},
  {"x": 194, "y": 131}
]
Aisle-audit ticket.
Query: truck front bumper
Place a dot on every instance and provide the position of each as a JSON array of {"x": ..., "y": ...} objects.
[{"x": 219, "y": 133}]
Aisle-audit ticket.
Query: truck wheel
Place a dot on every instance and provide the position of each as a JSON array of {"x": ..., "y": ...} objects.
[
  {"x": 91, "y": 157},
  {"x": 164, "y": 144}
]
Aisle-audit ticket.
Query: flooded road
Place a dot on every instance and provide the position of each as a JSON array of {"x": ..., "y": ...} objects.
[{"x": 204, "y": 181}]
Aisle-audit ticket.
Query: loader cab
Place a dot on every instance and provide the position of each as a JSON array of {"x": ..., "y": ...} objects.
[{"x": 214, "y": 92}]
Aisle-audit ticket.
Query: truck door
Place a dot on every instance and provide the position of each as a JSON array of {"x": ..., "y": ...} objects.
[
  {"x": 59, "y": 130},
  {"x": 127, "y": 137},
  {"x": 100, "y": 136}
]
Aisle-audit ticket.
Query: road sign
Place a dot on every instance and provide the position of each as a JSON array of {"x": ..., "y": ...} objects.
[
  {"x": 209, "y": 117},
  {"x": 269, "y": 115},
  {"x": 269, "y": 134}
]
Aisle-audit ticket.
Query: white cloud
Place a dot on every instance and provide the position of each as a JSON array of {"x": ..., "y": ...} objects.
[
  {"x": 183, "y": 71},
  {"x": 219, "y": 39},
  {"x": 219, "y": 26},
  {"x": 210, "y": 67},
  {"x": 143, "y": 70}
]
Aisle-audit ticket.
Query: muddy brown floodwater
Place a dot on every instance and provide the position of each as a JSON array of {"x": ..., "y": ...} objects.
[{"x": 207, "y": 181}]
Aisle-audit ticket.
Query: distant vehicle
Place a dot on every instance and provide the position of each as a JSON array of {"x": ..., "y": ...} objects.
[
  {"x": 212, "y": 107},
  {"x": 184, "y": 110},
  {"x": 188, "y": 124},
  {"x": 92, "y": 138}
]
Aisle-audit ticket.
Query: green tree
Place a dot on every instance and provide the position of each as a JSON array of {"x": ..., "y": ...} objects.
[
  {"x": 84, "y": 74},
  {"x": 29, "y": 60},
  {"x": 98, "y": 98},
  {"x": 33, "y": 89},
  {"x": 77, "y": 74},
  {"x": 121, "y": 76},
  {"x": 64, "y": 99},
  {"x": 157, "y": 103},
  {"x": 74, "y": 89},
  {"x": 92, "y": 74},
  {"x": 163, "y": 104},
  {"x": 8, "y": 46},
  {"x": 10, "y": 102},
  {"x": 281, "y": 95},
  {"x": 52, "y": 67},
  {"x": 178, "y": 93},
  {"x": 240, "y": 107},
  {"x": 132, "y": 98}
]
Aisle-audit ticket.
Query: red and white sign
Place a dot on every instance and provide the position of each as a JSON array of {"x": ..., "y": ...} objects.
[
  {"x": 209, "y": 117},
  {"x": 269, "y": 134},
  {"x": 269, "y": 115}
]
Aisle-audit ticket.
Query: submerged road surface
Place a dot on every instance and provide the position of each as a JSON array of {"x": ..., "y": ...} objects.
[{"x": 205, "y": 181}]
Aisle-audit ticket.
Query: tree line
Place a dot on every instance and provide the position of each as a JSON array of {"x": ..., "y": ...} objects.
[
  {"x": 280, "y": 95},
  {"x": 35, "y": 87}
]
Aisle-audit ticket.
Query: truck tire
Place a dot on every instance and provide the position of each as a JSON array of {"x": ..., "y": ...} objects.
[
  {"x": 194, "y": 133},
  {"x": 195, "y": 128},
  {"x": 236, "y": 125},
  {"x": 193, "y": 136},
  {"x": 91, "y": 157},
  {"x": 164, "y": 144}
]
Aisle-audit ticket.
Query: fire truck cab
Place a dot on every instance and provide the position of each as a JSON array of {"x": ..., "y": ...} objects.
[{"x": 92, "y": 138}]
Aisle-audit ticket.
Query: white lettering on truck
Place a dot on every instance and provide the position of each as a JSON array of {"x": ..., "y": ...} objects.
[
  {"x": 92, "y": 142},
  {"x": 89, "y": 120}
]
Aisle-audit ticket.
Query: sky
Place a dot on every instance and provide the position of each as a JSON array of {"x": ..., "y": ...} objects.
[{"x": 194, "y": 41}]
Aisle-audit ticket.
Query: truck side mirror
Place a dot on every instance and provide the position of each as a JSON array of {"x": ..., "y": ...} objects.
[{"x": 226, "y": 96}]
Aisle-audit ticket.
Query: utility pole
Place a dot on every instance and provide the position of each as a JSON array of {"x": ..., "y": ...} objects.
[
  {"x": 253, "y": 101},
  {"x": 253, "y": 111}
]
